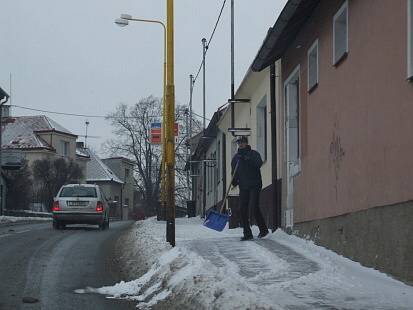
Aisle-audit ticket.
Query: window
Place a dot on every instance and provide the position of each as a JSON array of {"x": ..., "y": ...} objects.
[
  {"x": 127, "y": 172},
  {"x": 116, "y": 199},
  {"x": 78, "y": 191},
  {"x": 410, "y": 39},
  {"x": 262, "y": 128},
  {"x": 313, "y": 66},
  {"x": 340, "y": 34},
  {"x": 64, "y": 148},
  {"x": 127, "y": 202}
]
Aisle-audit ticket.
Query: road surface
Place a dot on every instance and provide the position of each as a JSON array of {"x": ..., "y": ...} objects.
[{"x": 40, "y": 268}]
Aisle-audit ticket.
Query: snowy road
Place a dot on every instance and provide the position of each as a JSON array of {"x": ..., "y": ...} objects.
[
  {"x": 47, "y": 265},
  {"x": 211, "y": 270}
]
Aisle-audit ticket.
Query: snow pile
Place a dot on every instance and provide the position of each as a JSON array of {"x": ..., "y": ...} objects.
[
  {"x": 211, "y": 270},
  {"x": 14, "y": 219}
]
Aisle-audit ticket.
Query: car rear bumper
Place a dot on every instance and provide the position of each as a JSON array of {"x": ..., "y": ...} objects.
[{"x": 78, "y": 218}]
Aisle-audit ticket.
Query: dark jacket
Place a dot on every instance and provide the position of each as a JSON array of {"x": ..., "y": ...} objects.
[{"x": 248, "y": 174}]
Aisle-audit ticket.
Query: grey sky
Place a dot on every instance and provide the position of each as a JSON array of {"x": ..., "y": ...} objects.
[{"x": 68, "y": 56}]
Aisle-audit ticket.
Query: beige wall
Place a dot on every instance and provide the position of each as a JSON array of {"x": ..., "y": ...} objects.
[
  {"x": 54, "y": 139},
  {"x": 356, "y": 127},
  {"x": 118, "y": 166},
  {"x": 255, "y": 86}
]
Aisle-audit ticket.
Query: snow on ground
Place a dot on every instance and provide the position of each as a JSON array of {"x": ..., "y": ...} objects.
[
  {"x": 14, "y": 219},
  {"x": 214, "y": 270}
]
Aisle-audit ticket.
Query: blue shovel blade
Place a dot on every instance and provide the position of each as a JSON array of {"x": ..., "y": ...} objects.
[{"x": 216, "y": 220}]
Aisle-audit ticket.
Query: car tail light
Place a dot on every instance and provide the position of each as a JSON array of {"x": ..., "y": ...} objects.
[
  {"x": 99, "y": 206},
  {"x": 55, "y": 206}
]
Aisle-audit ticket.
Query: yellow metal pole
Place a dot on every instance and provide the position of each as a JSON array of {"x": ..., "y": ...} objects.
[{"x": 170, "y": 120}]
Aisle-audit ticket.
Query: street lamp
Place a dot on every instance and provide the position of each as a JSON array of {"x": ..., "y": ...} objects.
[{"x": 123, "y": 21}]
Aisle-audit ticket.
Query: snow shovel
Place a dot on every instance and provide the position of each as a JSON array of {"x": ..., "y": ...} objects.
[{"x": 217, "y": 220}]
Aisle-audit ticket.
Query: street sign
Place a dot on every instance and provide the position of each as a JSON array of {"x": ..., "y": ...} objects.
[{"x": 156, "y": 132}]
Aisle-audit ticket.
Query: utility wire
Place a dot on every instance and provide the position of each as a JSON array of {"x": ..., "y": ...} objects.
[
  {"x": 83, "y": 115},
  {"x": 60, "y": 113},
  {"x": 210, "y": 38}
]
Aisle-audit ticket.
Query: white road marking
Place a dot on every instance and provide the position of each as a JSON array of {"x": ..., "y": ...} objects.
[
  {"x": 22, "y": 231},
  {"x": 5, "y": 235}
]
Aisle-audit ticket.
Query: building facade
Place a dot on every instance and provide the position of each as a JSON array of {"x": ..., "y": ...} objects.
[{"x": 347, "y": 94}]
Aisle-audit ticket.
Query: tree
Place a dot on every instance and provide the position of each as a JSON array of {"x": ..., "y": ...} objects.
[
  {"x": 19, "y": 188},
  {"x": 50, "y": 175},
  {"x": 132, "y": 130}
]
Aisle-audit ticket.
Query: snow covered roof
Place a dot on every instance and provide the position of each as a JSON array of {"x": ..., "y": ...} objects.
[
  {"x": 82, "y": 152},
  {"x": 98, "y": 171},
  {"x": 22, "y": 132}
]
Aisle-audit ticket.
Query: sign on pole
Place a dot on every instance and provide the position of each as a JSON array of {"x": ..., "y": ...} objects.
[{"x": 156, "y": 133}]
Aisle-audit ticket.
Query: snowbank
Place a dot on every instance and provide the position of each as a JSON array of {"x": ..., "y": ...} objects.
[
  {"x": 14, "y": 219},
  {"x": 211, "y": 270}
]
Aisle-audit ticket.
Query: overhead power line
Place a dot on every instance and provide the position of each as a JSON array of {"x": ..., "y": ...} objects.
[
  {"x": 60, "y": 113},
  {"x": 81, "y": 115},
  {"x": 210, "y": 38}
]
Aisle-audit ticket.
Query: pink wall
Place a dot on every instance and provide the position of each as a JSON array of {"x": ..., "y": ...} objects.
[{"x": 361, "y": 109}]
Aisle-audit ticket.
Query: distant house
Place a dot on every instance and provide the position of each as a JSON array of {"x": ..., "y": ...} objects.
[
  {"x": 206, "y": 167},
  {"x": 115, "y": 177},
  {"x": 123, "y": 168},
  {"x": 39, "y": 137}
]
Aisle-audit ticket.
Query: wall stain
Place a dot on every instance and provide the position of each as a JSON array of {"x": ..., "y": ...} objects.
[{"x": 337, "y": 154}]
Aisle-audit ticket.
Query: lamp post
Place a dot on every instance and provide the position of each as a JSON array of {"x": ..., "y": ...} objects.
[
  {"x": 168, "y": 140},
  {"x": 123, "y": 21}
]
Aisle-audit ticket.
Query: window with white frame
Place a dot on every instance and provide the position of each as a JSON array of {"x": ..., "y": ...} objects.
[
  {"x": 340, "y": 33},
  {"x": 313, "y": 66},
  {"x": 262, "y": 128},
  {"x": 410, "y": 39}
]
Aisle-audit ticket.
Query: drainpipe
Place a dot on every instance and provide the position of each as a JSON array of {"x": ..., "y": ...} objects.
[
  {"x": 232, "y": 67},
  {"x": 276, "y": 187}
]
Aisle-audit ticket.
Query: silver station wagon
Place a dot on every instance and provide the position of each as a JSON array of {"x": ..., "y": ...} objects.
[{"x": 80, "y": 204}]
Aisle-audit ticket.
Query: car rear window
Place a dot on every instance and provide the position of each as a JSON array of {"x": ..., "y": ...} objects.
[{"x": 78, "y": 191}]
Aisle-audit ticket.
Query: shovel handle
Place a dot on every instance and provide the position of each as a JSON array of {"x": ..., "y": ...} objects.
[{"x": 229, "y": 188}]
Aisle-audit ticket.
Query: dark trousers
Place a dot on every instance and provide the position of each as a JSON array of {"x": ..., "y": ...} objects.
[{"x": 251, "y": 198}]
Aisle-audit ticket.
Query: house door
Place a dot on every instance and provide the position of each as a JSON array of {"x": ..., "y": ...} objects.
[{"x": 291, "y": 90}]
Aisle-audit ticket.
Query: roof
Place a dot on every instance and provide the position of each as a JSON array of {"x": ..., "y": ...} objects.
[
  {"x": 96, "y": 170},
  {"x": 23, "y": 132},
  {"x": 82, "y": 152},
  {"x": 284, "y": 31},
  {"x": 3, "y": 94},
  {"x": 122, "y": 158},
  {"x": 208, "y": 136}
]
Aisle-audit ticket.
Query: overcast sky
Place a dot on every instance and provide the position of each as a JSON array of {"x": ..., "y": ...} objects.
[{"x": 69, "y": 56}]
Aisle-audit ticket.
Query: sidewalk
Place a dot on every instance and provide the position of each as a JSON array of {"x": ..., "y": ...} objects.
[{"x": 212, "y": 270}]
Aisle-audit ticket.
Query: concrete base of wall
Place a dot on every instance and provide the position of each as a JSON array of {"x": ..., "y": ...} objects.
[{"x": 381, "y": 238}]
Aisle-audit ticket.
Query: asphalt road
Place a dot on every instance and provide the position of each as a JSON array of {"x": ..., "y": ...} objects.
[{"x": 48, "y": 265}]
